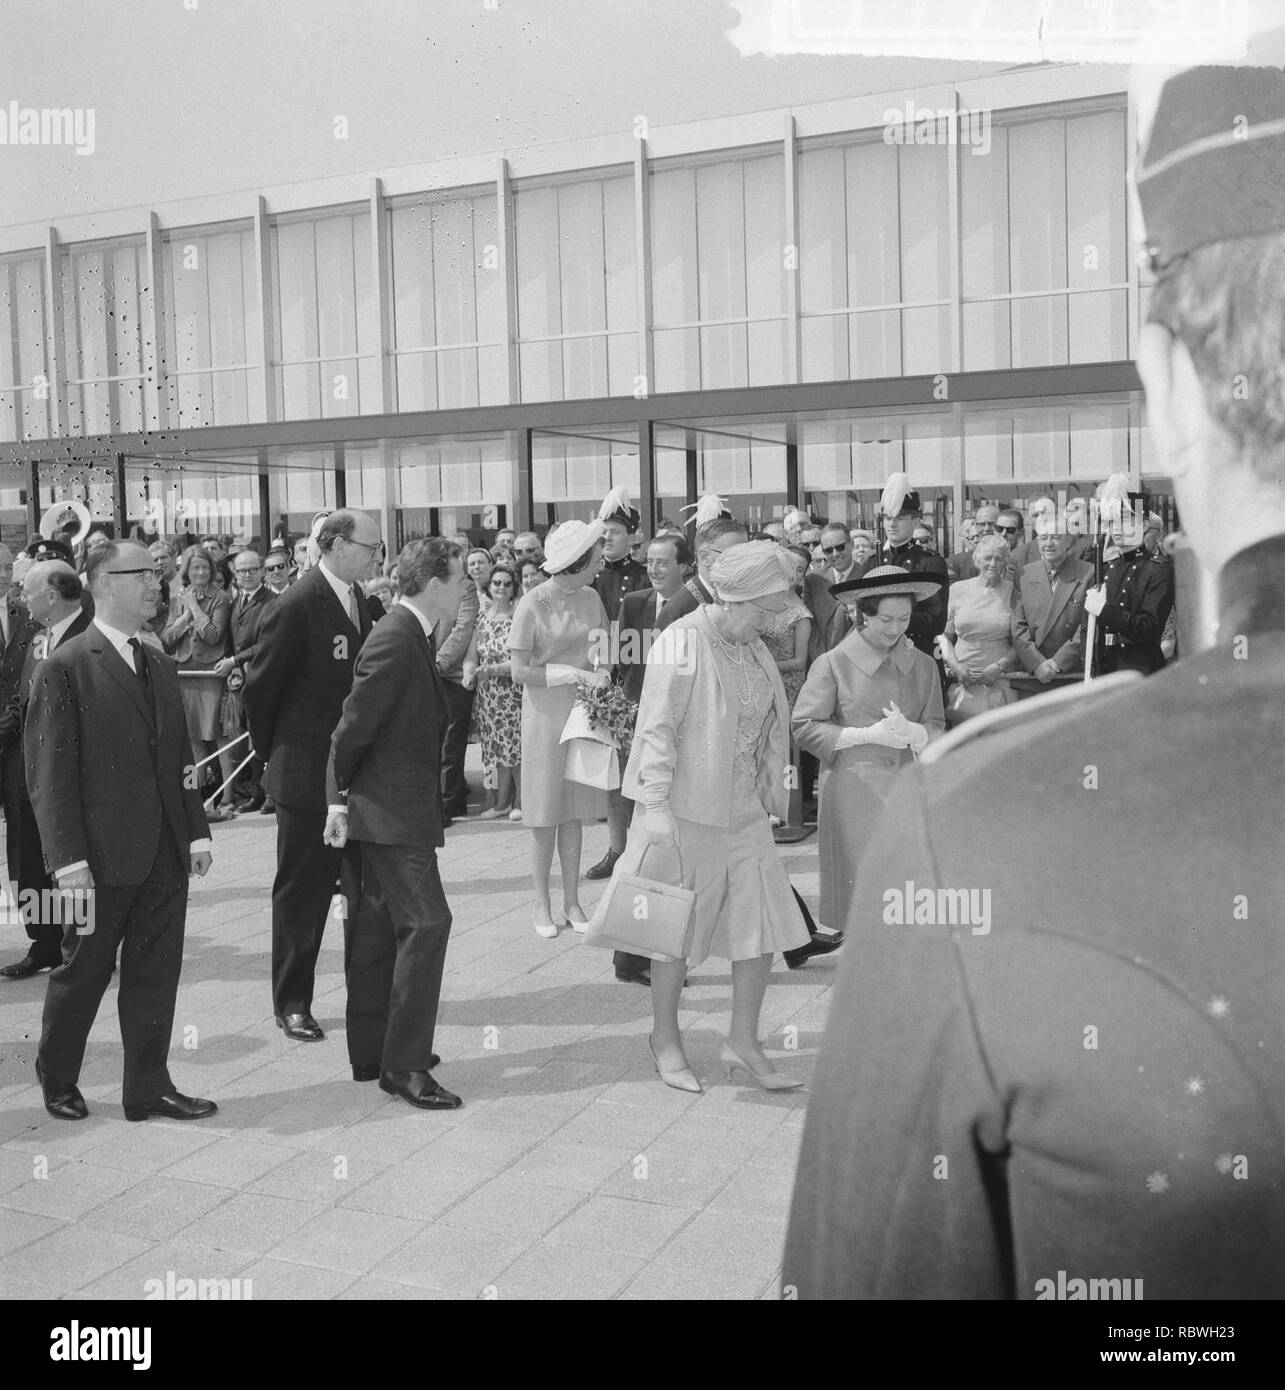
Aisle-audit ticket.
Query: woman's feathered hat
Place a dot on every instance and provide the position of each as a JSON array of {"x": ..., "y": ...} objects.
[{"x": 616, "y": 506}]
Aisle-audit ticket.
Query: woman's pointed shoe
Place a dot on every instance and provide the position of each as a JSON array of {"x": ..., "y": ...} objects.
[
  {"x": 769, "y": 1081},
  {"x": 681, "y": 1080}
]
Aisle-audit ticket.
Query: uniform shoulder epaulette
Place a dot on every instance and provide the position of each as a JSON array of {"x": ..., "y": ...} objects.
[{"x": 1013, "y": 716}]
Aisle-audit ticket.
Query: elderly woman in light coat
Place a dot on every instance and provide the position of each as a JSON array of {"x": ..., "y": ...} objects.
[
  {"x": 708, "y": 767},
  {"x": 867, "y": 708}
]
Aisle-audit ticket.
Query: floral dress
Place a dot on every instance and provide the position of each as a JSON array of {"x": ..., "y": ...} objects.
[
  {"x": 498, "y": 707},
  {"x": 779, "y": 640}
]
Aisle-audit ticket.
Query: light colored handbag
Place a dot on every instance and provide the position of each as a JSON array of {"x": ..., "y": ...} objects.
[
  {"x": 590, "y": 756},
  {"x": 645, "y": 916}
]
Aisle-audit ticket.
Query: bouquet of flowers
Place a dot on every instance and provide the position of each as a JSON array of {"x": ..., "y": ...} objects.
[
  {"x": 601, "y": 721},
  {"x": 608, "y": 710}
]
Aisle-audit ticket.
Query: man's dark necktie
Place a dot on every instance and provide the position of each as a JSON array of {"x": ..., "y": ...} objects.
[{"x": 140, "y": 661}]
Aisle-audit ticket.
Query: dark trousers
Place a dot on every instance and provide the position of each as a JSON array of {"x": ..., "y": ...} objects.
[
  {"x": 309, "y": 873},
  {"x": 394, "y": 953},
  {"x": 145, "y": 922},
  {"x": 247, "y": 785},
  {"x": 27, "y": 869},
  {"x": 625, "y": 960},
  {"x": 459, "y": 706}
]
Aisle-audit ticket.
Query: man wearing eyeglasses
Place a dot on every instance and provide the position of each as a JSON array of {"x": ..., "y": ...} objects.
[
  {"x": 960, "y": 565},
  {"x": 107, "y": 758},
  {"x": 249, "y": 608},
  {"x": 294, "y": 693},
  {"x": 276, "y": 570}
]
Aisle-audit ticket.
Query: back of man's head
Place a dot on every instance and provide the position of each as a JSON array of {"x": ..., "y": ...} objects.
[{"x": 712, "y": 533}]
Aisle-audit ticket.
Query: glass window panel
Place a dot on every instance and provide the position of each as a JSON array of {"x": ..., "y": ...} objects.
[
  {"x": 621, "y": 251},
  {"x": 823, "y": 228},
  {"x": 724, "y": 356},
  {"x": 487, "y": 271},
  {"x": 492, "y": 376},
  {"x": 673, "y": 242},
  {"x": 925, "y": 222},
  {"x": 677, "y": 354},
  {"x": 874, "y": 343},
  {"x": 988, "y": 451},
  {"x": 767, "y": 353},
  {"x": 416, "y": 381},
  {"x": 582, "y": 258},
  {"x": 984, "y": 218},
  {"x": 456, "y": 378},
  {"x": 764, "y": 237},
  {"x": 825, "y": 348},
  {"x": 622, "y": 363},
  {"x": 584, "y": 362},
  {"x": 1039, "y": 331},
  {"x": 414, "y": 322},
  {"x": 1096, "y": 190},
  {"x": 987, "y": 343},
  {"x": 724, "y": 469},
  {"x": 536, "y": 233},
  {"x": 540, "y": 366},
  {"x": 1041, "y": 450},
  {"x": 925, "y": 340},
  {"x": 1098, "y": 326},
  {"x": 455, "y": 290},
  {"x": 874, "y": 251},
  {"x": 336, "y": 298},
  {"x": 1037, "y": 205},
  {"x": 720, "y": 240}
]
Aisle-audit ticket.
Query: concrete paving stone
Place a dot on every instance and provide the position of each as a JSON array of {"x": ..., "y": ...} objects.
[
  {"x": 16, "y": 1168},
  {"x": 672, "y": 1279},
  {"x": 740, "y": 1240},
  {"x": 483, "y": 1150},
  {"x": 678, "y": 1181},
  {"x": 760, "y": 1193},
  {"x": 156, "y": 1209},
  {"x": 526, "y": 1116},
  {"x": 615, "y": 1223},
  {"x": 549, "y": 1271},
  {"x": 384, "y": 1291},
  {"x": 345, "y": 1239},
  {"x": 318, "y": 1175},
  {"x": 180, "y": 1259},
  {"x": 71, "y": 1189},
  {"x": 459, "y": 1263},
  {"x": 146, "y": 1148},
  {"x": 417, "y": 1191},
  {"x": 19, "y": 1228},
  {"x": 277, "y": 1279},
  {"x": 780, "y": 1150},
  {"x": 606, "y": 1126},
  {"x": 228, "y": 1163},
  {"x": 511, "y": 1205},
  {"x": 61, "y": 1139},
  {"x": 27, "y": 1291},
  {"x": 578, "y": 1167},
  {"x": 65, "y": 1260},
  {"x": 251, "y": 1222}
]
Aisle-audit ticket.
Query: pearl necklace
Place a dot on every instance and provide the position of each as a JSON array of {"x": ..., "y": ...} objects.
[{"x": 737, "y": 659}]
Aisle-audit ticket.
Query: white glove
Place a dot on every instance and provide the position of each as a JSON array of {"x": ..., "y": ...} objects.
[
  {"x": 598, "y": 677},
  {"x": 562, "y": 675},
  {"x": 659, "y": 826},
  {"x": 883, "y": 733},
  {"x": 916, "y": 735},
  {"x": 1095, "y": 600}
]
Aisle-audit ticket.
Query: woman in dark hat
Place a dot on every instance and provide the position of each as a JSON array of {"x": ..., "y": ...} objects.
[{"x": 867, "y": 708}]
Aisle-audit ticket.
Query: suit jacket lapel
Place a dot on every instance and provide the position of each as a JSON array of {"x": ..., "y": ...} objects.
[
  {"x": 1058, "y": 597},
  {"x": 124, "y": 676},
  {"x": 333, "y": 609}
]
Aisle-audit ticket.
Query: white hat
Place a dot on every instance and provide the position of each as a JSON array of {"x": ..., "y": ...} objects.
[
  {"x": 572, "y": 540},
  {"x": 752, "y": 570}
]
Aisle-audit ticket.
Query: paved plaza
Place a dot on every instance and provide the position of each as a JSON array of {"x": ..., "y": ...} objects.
[{"x": 570, "y": 1171}]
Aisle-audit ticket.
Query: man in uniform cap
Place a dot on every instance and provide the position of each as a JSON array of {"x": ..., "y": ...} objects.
[
  {"x": 1022, "y": 1089},
  {"x": 1132, "y": 603},
  {"x": 901, "y": 509}
]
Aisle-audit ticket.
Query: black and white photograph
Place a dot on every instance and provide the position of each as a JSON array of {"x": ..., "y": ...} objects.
[{"x": 642, "y": 657}]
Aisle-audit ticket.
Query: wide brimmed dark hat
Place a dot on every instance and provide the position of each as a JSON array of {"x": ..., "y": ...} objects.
[{"x": 891, "y": 581}]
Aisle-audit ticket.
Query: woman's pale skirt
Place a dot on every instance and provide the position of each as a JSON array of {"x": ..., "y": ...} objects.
[
  {"x": 745, "y": 906},
  {"x": 548, "y": 798}
]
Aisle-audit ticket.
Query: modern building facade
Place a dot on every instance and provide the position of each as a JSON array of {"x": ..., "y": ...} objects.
[{"x": 782, "y": 307}]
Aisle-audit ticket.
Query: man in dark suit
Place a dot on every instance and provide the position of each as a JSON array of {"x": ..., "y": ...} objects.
[
  {"x": 640, "y": 612},
  {"x": 51, "y": 592},
  {"x": 17, "y": 630},
  {"x": 831, "y": 620},
  {"x": 453, "y": 642},
  {"x": 712, "y": 538},
  {"x": 382, "y": 781},
  {"x": 108, "y": 768},
  {"x": 249, "y": 608},
  {"x": 1048, "y": 608},
  {"x": 294, "y": 692},
  {"x": 1088, "y": 1085},
  {"x": 1132, "y": 603},
  {"x": 899, "y": 548}
]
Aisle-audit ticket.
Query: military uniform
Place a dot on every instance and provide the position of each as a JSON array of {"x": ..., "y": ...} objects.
[
  {"x": 618, "y": 578},
  {"x": 1085, "y": 1077},
  {"x": 928, "y": 620},
  {"x": 1139, "y": 594}
]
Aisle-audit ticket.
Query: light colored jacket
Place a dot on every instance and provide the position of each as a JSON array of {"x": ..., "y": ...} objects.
[{"x": 685, "y": 740}]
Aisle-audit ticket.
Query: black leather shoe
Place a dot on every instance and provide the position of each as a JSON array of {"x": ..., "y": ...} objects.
[
  {"x": 820, "y": 945},
  {"x": 28, "y": 966},
  {"x": 249, "y": 803},
  {"x": 634, "y": 977},
  {"x": 301, "y": 1027},
  {"x": 419, "y": 1088},
  {"x": 171, "y": 1106},
  {"x": 370, "y": 1071},
  {"x": 604, "y": 867},
  {"x": 62, "y": 1099},
  {"x": 269, "y": 807}
]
